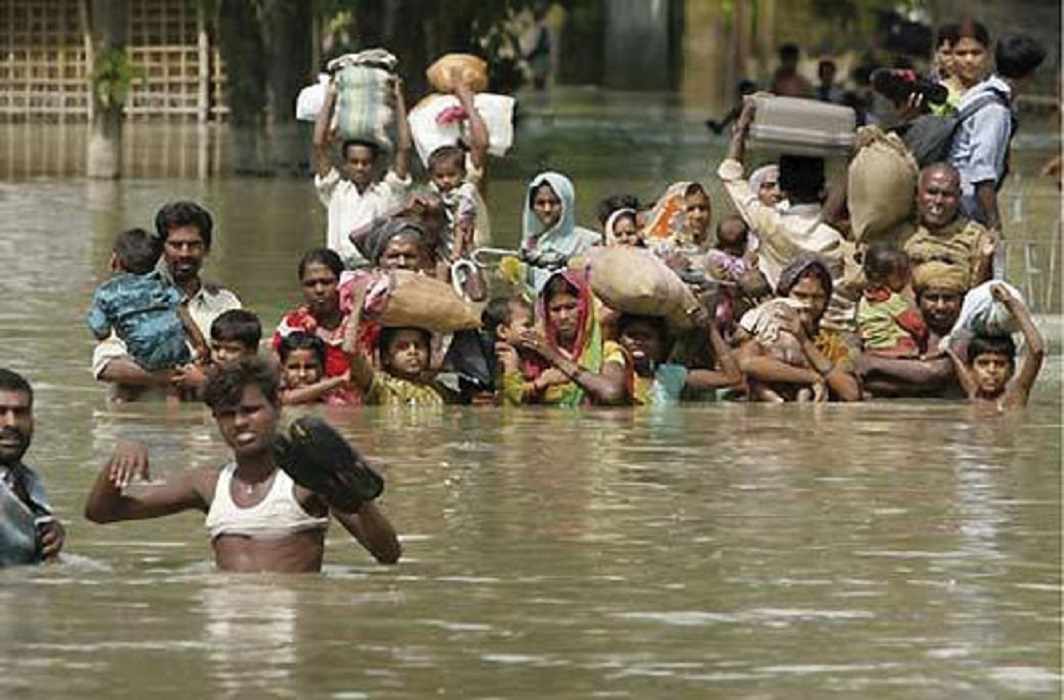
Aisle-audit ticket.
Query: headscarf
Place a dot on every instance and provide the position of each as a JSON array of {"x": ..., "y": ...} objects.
[
  {"x": 666, "y": 217},
  {"x": 804, "y": 263},
  {"x": 564, "y": 237},
  {"x": 611, "y": 223},
  {"x": 373, "y": 244},
  {"x": 940, "y": 275},
  {"x": 758, "y": 177}
]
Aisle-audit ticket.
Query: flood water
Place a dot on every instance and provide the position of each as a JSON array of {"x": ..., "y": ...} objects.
[{"x": 887, "y": 550}]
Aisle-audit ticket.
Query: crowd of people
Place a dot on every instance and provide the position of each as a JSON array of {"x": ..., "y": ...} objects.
[{"x": 789, "y": 308}]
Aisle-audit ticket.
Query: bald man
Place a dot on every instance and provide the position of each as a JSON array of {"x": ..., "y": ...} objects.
[{"x": 942, "y": 233}]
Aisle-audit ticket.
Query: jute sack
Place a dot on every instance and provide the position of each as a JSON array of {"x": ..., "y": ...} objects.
[
  {"x": 402, "y": 298},
  {"x": 881, "y": 184},
  {"x": 472, "y": 70},
  {"x": 635, "y": 281}
]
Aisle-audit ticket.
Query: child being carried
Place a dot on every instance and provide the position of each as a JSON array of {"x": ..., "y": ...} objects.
[
  {"x": 142, "y": 309},
  {"x": 889, "y": 324}
]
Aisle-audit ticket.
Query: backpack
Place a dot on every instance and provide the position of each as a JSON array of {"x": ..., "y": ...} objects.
[{"x": 930, "y": 137}]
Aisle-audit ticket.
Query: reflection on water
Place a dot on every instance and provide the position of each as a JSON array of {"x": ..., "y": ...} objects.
[{"x": 886, "y": 550}]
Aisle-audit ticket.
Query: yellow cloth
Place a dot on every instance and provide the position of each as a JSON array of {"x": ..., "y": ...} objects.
[
  {"x": 958, "y": 244},
  {"x": 560, "y": 393},
  {"x": 940, "y": 275},
  {"x": 386, "y": 390}
]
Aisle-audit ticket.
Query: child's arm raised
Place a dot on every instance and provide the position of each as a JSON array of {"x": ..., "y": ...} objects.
[
  {"x": 1036, "y": 349},
  {"x": 361, "y": 369},
  {"x": 401, "y": 165},
  {"x": 964, "y": 375},
  {"x": 322, "y": 138},
  {"x": 478, "y": 130}
]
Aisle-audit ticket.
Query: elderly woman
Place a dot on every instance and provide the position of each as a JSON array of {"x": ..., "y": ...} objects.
[
  {"x": 571, "y": 364},
  {"x": 549, "y": 224},
  {"x": 320, "y": 315},
  {"x": 787, "y": 353}
]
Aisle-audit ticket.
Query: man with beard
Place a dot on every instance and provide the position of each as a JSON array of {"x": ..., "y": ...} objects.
[
  {"x": 942, "y": 233},
  {"x": 185, "y": 229},
  {"x": 258, "y": 519},
  {"x": 940, "y": 289},
  {"x": 28, "y": 532}
]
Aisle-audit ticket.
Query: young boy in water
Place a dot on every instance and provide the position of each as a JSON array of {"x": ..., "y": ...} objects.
[
  {"x": 889, "y": 324},
  {"x": 989, "y": 377},
  {"x": 142, "y": 309},
  {"x": 235, "y": 334},
  {"x": 303, "y": 368}
]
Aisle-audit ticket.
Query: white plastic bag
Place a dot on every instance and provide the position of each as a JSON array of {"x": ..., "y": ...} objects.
[
  {"x": 496, "y": 110},
  {"x": 311, "y": 99},
  {"x": 982, "y": 314}
]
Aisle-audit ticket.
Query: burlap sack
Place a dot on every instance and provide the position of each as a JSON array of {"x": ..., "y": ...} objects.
[
  {"x": 881, "y": 188},
  {"x": 473, "y": 71},
  {"x": 403, "y": 298},
  {"x": 635, "y": 281}
]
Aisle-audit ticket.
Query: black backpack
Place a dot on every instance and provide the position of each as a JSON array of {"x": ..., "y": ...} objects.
[{"x": 930, "y": 137}]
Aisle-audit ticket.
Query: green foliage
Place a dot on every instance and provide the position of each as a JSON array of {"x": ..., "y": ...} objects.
[{"x": 112, "y": 76}]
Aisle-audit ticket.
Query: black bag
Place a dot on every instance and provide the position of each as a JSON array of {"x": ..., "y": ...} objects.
[
  {"x": 930, "y": 137},
  {"x": 320, "y": 459}
]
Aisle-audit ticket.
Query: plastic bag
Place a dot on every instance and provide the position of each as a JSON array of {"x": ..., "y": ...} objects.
[{"x": 431, "y": 132}]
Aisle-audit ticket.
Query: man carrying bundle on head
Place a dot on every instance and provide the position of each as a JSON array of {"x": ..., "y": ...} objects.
[{"x": 351, "y": 192}]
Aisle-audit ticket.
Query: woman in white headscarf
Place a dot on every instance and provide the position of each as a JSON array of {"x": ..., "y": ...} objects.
[{"x": 549, "y": 224}]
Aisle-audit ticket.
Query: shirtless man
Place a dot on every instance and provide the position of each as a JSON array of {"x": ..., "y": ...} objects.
[{"x": 258, "y": 519}]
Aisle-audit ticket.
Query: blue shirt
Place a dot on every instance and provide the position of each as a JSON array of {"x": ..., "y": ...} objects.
[
  {"x": 142, "y": 310},
  {"x": 981, "y": 143}
]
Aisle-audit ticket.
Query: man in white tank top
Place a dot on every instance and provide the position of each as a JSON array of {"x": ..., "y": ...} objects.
[{"x": 258, "y": 519}]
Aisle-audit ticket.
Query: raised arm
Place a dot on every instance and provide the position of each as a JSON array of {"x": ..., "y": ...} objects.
[
  {"x": 361, "y": 369},
  {"x": 737, "y": 144},
  {"x": 964, "y": 375},
  {"x": 108, "y": 502},
  {"x": 478, "y": 130},
  {"x": 404, "y": 141},
  {"x": 1036, "y": 349},
  {"x": 322, "y": 137}
]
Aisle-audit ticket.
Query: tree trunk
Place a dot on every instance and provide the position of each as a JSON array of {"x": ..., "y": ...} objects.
[
  {"x": 287, "y": 30},
  {"x": 103, "y": 157},
  {"x": 243, "y": 50}
]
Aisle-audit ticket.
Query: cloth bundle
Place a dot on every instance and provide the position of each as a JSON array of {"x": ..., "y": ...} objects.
[{"x": 472, "y": 71}]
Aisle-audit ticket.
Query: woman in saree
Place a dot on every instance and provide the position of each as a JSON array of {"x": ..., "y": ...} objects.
[
  {"x": 564, "y": 360},
  {"x": 785, "y": 354}
]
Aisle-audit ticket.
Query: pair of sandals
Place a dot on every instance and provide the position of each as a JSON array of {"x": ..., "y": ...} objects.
[{"x": 320, "y": 459}]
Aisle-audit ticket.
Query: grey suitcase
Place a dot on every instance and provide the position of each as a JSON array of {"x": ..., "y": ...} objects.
[{"x": 799, "y": 126}]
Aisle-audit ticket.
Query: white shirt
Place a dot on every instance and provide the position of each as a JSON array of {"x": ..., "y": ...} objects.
[{"x": 351, "y": 210}]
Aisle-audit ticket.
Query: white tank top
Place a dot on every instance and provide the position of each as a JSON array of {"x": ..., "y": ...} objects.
[{"x": 279, "y": 514}]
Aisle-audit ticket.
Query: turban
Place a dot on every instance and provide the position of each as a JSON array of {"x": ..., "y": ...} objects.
[{"x": 940, "y": 275}]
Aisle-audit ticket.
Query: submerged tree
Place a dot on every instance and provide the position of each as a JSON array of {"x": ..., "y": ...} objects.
[{"x": 112, "y": 75}]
